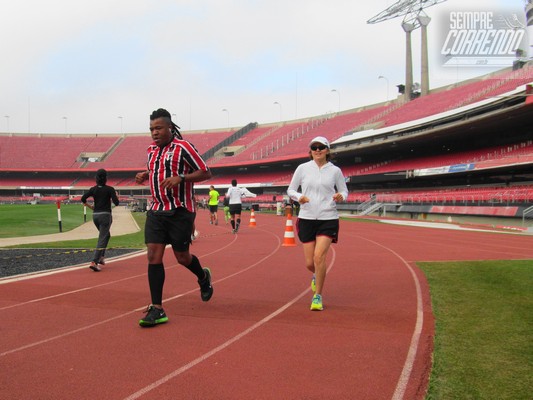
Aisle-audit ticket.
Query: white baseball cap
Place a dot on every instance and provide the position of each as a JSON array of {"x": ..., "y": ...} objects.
[{"x": 321, "y": 140}]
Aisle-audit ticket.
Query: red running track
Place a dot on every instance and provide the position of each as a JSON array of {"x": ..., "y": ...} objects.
[{"x": 75, "y": 334}]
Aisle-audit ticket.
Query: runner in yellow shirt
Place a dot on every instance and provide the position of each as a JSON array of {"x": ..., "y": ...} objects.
[{"x": 213, "y": 205}]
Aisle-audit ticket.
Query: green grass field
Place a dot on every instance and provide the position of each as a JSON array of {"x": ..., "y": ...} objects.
[
  {"x": 29, "y": 220},
  {"x": 39, "y": 219},
  {"x": 484, "y": 323}
]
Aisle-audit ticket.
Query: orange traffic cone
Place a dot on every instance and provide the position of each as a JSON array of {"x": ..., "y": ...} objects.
[
  {"x": 288, "y": 238},
  {"x": 252, "y": 219}
]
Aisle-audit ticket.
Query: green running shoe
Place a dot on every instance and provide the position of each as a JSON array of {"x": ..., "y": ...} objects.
[
  {"x": 316, "y": 304},
  {"x": 154, "y": 316}
]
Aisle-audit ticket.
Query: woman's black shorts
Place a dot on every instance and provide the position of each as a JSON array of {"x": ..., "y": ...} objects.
[{"x": 309, "y": 229}]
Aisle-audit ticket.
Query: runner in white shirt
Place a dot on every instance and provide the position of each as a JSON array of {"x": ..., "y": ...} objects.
[
  {"x": 322, "y": 187},
  {"x": 235, "y": 194}
]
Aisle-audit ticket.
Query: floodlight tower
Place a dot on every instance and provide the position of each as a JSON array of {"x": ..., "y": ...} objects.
[
  {"x": 414, "y": 18},
  {"x": 529, "y": 22}
]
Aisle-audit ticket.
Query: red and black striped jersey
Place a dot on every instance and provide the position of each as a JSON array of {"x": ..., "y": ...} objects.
[{"x": 177, "y": 157}]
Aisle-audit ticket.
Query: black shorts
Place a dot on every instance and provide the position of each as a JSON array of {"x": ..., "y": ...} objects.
[
  {"x": 174, "y": 229},
  {"x": 235, "y": 209},
  {"x": 309, "y": 229},
  {"x": 214, "y": 208}
]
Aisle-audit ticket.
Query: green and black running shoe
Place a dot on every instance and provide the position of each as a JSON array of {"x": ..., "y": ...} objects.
[{"x": 154, "y": 316}]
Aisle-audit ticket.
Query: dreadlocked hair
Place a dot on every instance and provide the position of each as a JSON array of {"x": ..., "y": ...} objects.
[{"x": 162, "y": 113}]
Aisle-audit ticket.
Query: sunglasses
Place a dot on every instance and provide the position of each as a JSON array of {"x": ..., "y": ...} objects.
[{"x": 321, "y": 147}]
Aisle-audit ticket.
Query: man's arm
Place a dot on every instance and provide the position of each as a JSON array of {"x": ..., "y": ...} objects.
[
  {"x": 141, "y": 177},
  {"x": 195, "y": 176},
  {"x": 247, "y": 193},
  {"x": 198, "y": 176}
]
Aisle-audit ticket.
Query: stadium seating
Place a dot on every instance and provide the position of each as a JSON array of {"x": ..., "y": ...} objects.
[
  {"x": 259, "y": 142},
  {"x": 503, "y": 154},
  {"x": 56, "y": 159},
  {"x": 479, "y": 195},
  {"x": 49, "y": 152},
  {"x": 439, "y": 101},
  {"x": 292, "y": 139},
  {"x": 281, "y": 177},
  {"x": 333, "y": 128},
  {"x": 207, "y": 140},
  {"x": 131, "y": 153},
  {"x": 30, "y": 181},
  {"x": 272, "y": 142}
]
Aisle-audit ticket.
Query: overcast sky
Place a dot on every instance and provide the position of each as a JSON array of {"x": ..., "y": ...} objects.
[{"x": 102, "y": 66}]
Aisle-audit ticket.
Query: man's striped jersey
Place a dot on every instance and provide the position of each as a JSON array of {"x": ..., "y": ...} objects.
[{"x": 177, "y": 157}]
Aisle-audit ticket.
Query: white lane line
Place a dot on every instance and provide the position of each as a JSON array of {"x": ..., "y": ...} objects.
[
  {"x": 223, "y": 346},
  {"x": 405, "y": 375},
  {"x": 39, "y": 274},
  {"x": 81, "y": 329},
  {"x": 136, "y": 254}
]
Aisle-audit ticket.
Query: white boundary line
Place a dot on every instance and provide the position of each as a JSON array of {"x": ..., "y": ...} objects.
[
  {"x": 68, "y": 268},
  {"x": 72, "y": 268},
  {"x": 402, "y": 381},
  {"x": 29, "y": 345},
  {"x": 224, "y": 345},
  {"x": 405, "y": 375}
]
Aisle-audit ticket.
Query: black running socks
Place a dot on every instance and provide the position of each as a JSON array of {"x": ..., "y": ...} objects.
[
  {"x": 196, "y": 268},
  {"x": 156, "y": 280}
]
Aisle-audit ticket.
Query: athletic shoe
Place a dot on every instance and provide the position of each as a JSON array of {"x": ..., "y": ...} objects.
[
  {"x": 94, "y": 266},
  {"x": 313, "y": 284},
  {"x": 206, "y": 290},
  {"x": 102, "y": 261},
  {"x": 153, "y": 316},
  {"x": 316, "y": 304}
]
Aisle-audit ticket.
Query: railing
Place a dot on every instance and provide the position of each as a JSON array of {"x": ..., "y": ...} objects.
[
  {"x": 287, "y": 138},
  {"x": 527, "y": 216},
  {"x": 241, "y": 132},
  {"x": 369, "y": 210},
  {"x": 369, "y": 206}
]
